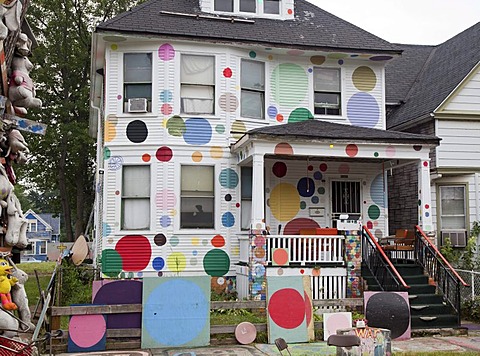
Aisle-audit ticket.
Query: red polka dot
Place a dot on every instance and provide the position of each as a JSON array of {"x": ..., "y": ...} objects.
[
  {"x": 289, "y": 11},
  {"x": 135, "y": 251},
  {"x": 425, "y": 164},
  {"x": 280, "y": 257},
  {"x": 308, "y": 307},
  {"x": 117, "y": 192},
  {"x": 323, "y": 167},
  {"x": 286, "y": 308},
  {"x": 146, "y": 157},
  {"x": 279, "y": 169},
  {"x": 237, "y": 205},
  {"x": 164, "y": 154},
  {"x": 310, "y": 168},
  {"x": 279, "y": 117},
  {"x": 227, "y": 73},
  {"x": 427, "y": 206},
  {"x": 351, "y": 150},
  {"x": 302, "y": 271},
  {"x": 166, "y": 109},
  {"x": 369, "y": 225},
  {"x": 218, "y": 241}
]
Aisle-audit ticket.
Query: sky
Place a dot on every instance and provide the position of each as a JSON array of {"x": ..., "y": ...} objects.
[{"x": 426, "y": 22}]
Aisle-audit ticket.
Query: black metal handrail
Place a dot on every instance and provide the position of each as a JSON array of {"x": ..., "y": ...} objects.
[
  {"x": 379, "y": 264},
  {"x": 437, "y": 267}
]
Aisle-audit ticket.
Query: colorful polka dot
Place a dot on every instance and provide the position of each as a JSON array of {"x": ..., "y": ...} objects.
[
  {"x": 218, "y": 241},
  {"x": 137, "y": 131},
  {"x": 373, "y": 212},
  {"x": 176, "y": 262},
  {"x": 279, "y": 169},
  {"x": 318, "y": 175},
  {"x": 238, "y": 128},
  {"x": 300, "y": 114},
  {"x": 284, "y": 202},
  {"x": 351, "y": 150},
  {"x": 228, "y": 197},
  {"x": 272, "y": 112},
  {"x": 228, "y": 102},
  {"x": 174, "y": 241},
  {"x": 363, "y": 110},
  {"x": 323, "y": 167},
  {"x": 344, "y": 168},
  {"x": 289, "y": 84},
  {"x": 160, "y": 239},
  {"x": 139, "y": 260},
  {"x": 146, "y": 157},
  {"x": 364, "y": 78},
  {"x": 220, "y": 129},
  {"x": 166, "y": 109},
  {"x": 165, "y": 199},
  {"x": 279, "y": 118},
  {"x": 164, "y": 154},
  {"x": 216, "y": 152},
  {"x": 318, "y": 60},
  {"x": 166, "y": 52},
  {"x": 176, "y": 126},
  {"x": 227, "y": 73},
  {"x": 197, "y": 156},
  {"x": 252, "y": 54},
  {"x": 165, "y": 221},
  {"x": 283, "y": 149},
  {"x": 216, "y": 263},
  {"x": 380, "y": 58},
  {"x": 228, "y": 220},
  {"x": 197, "y": 131},
  {"x": 166, "y": 96},
  {"x": 306, "y": 187},
  {"x": 228, "y": 178},
  {"x": 286, "y": 308},
  {"x": 158, "y": 263}
]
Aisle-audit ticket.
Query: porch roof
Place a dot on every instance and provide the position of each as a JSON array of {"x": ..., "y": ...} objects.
[{"x": 324, "y": 130}]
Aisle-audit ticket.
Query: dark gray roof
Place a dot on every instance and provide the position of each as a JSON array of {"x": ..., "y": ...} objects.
[
  {"x": 443, "y": 69},
  {"x": 318, "y": 129},
  {"x": 312, "y": 27},
  {"x": 53, "y": 220}
]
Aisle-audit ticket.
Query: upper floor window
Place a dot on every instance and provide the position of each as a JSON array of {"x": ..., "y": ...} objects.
[
  {"x": 452, "y": 207},
  {"x": 32, "y": 226},
  {"x": 137, "y": 82},
  {"x": 135, "y": 198},
  {"x": 197, "y": 197},
  {"x": 223, "y": 5},
  {"x": 327, "y": 91},
  {"x": 253, "y": 89},
  {"x": 197, "y": 92},
  {"x": 269, "y": 6}
]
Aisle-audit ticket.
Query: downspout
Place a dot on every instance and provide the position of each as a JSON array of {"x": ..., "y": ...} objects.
[{"x": 477, "y": 204}]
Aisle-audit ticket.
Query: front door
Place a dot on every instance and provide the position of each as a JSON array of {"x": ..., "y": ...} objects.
[{"x": 346, "y": 200}]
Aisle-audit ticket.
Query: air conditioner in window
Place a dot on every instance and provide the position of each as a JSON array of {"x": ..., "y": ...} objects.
[
  {"x": 137, "y": 105},
  {"x": 458, "y": 238}
]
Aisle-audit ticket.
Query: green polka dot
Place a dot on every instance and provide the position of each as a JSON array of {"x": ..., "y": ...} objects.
[
  {"x": 204, "y": 242},
  {"x": 174, "y": 241},
  {"x": 376, "y": 154},
  {"x": 321, "y": 190},
  {"x": 106, "y": 153},
  {"x": 289, "y": 84},
  {"x": 303, "y": 205},
  {"x": 176, "y": 126},
  {"x": 111, "y": 263},
  {"x": 220, "y": 129},
  {"x": 419, "y": 202},
  {"x": 300, "y": 114},
  {"x": 216, "y": 263},
  {"x": 373, "y": 212},
  {"x": 252, "y": 54}
]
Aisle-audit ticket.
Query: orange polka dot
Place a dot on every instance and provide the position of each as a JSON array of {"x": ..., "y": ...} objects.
[
  {"x": 218, "y": 241},
  {"x": 279, "y": 117},
  {"x": 289, "y": 11},
  {"x": 146, "y": 157}
]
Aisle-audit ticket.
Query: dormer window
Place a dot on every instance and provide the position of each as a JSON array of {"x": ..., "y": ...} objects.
[
  {"x": 269, "y": 7},
  {"x": 224, "y": 5},
  {"x": 248, "y": 6}
]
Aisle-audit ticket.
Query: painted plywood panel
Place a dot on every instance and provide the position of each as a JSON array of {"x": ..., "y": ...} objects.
[
  {"x": 286, "y": 309},
  {"x": 176, "y": 312},
  {"x": 460, "y": 145},
  {"x": 335, "y": 321},
  {"x": 87, "y": 333},
  {"x": 467, "y": 98},
  {"x": 389, "y": 310}
]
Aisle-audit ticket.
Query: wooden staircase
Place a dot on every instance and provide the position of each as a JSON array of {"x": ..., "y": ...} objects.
[{"x": 427, "y": 307}]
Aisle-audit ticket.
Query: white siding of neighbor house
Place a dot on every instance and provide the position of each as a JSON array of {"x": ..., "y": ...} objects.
[
  {"x": 467, "y": 99},
  {"x": 225, "y": 128},
  {"x": 460, "y": 144}
]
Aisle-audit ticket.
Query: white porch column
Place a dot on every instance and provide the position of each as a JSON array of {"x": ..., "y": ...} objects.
[
  {"x": 424, "y": 196},
  {"x": 258, "y": 193}
]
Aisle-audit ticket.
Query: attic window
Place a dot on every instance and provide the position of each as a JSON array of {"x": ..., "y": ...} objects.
[
  {"x": 224, "y": 5},
  {"x": 271, "y": 6},
  {"x": 248, "y": 6}
]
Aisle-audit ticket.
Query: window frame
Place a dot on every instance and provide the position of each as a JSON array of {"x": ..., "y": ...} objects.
[
  {"x": 259, "y": 8},
  {"x": 248, "y": 197},
  {"x": 126, "y": 83},
  {"x": 338, "y": 93},
  {"x": 31, "y": 224},
  {"x": 252, "y": 90},
  {"x": 183, "y": 84},
  {"x": 146, "y": 197},
  {"x": 184, "y": 226},
  {"x": 441, "y": 214}
]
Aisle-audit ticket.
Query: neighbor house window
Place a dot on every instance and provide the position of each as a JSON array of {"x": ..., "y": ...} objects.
[
  {"x": 452, "y": 207},
  {"x": 42, "y": 247},
  {"x": 135, "y": 198},
  {"x": 327, "y": 91},
  {"x": 32, "y": 226},
  {"x": 246, "y": 193},
  {"x": 253, "y": 89},
  {"x": 271, "y": 6},
  {"x": 137, "y": 82},
  {"x": 197, "y": 197},
  {"x": 224, "y": 5},
  {"x": 197, "y": 76}
]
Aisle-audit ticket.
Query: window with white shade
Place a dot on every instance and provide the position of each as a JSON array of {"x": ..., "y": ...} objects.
[
  {"x": 327, "y": 91},
  {"x": 197, "y": 197},
  {"x": 135, "y": 198},
  {"x": 452, "y": 207},
  {"x": 197, "y": 92},
  {"x": 137, "y": 82},
  {"x": 253, "y": 89}
]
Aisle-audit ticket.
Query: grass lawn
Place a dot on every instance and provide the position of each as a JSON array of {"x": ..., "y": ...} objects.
[{"x": 44, "y": 271}]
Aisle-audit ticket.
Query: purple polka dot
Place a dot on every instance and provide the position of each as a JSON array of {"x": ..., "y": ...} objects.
[
  {"x": 166, "y": 52},
  {"x": 119, "y": 97},
  {"x": 165, "y": 221},
  {"x": 380, "y": 58}
]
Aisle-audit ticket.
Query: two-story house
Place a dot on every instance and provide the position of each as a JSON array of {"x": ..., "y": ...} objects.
[
  {"x": 435, "y": 90},
  {"x": 42, "y": 229},
  {"x": 222, "y": 122}
]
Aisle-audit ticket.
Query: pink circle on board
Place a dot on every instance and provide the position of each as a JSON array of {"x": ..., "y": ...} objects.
[
  {"x": 280, "y": 256},
  {"x": 335, "y": 321},
  {"x": 166, "y": 52},
  {"x": 390, "y": 151},
  {"x": 286, "y": 308},
  {"x": 245, "y": 333},
  {"x": 87, "y": 330}
]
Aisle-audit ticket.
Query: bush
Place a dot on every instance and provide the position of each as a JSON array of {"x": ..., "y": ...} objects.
[
  {"x": 76, "y": 283},
  {"x": 471, "y": 309}
]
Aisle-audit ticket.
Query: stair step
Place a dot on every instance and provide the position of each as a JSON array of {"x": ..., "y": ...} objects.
[
  {"x": 430, "y": 309},
  {"x": 434, "y": 321},
  {"x": 422, "y": 299},
  {"x": 422, "y": 289},
  {"x": 417, "y": 279}
]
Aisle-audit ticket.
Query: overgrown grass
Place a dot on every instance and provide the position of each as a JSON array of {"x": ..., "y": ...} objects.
[{"x": 44, "y": 271}]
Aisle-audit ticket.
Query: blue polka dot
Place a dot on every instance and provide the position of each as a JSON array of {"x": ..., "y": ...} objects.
[
  {"x": 315, "y": 200},
  {"x": 158, "y": 263},
  {"x": 107, "y": 230},
  {"x": 228, "y": 178},
  {"x": 427, "y": 214},
  {"x": 272, "y": 112},
  {"x": 228, "y": 220},
  {"x": 194, "y": 252},
  {"x": 165, "y": 221},
  {"x": 306, "y": 187},
  {"x": 363, "y": 110},
  {"x": 318, "y": 175},
  {"x": 166, "y": 96},
  {"x": 198, "y": 131}
]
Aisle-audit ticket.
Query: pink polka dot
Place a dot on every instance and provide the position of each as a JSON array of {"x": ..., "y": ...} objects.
[
  {"x": 166, "y": 109},
  {"x": 119, "y": 97},
  {"x": 166, "y": 52},
  {"x": 323, "y": 167},
  {"x": 351, "y": 150},
  {"x": 87, "y": 330},
  {"x": 427, "y": 206}
]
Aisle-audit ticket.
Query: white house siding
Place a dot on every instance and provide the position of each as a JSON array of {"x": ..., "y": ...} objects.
[
  {"x": 460, "y": 145},
  {"x": 467, "y": 99},
  {"x": 206, "y": 140}
]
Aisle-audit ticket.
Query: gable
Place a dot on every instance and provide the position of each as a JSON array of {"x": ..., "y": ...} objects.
[{"x": 466, "y": 97}]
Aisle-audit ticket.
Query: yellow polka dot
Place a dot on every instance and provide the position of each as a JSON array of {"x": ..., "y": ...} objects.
[
  {"x": 216, "y": 152},
  {"x": 110, "y": 131},
  {"x": 331, "y": 146},
  {"x": 364, "y": 78},
  {"x": 270, "y": 57},
  {"x": 235, "y": 251},
  {"x": 197, "y": 156},
  {"x": 195, "y": 241},
  {"x": 176, "y": 262},
  {"x": 164, "y": 123},
  {"x": 114, "y": 47},
  {"x": 284, "y": 202},
  {"x": 239, "y": 128},
  {"x": 172, "y": 212}
]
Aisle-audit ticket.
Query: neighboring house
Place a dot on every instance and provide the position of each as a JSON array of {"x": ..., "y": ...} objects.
[
  {"x": 221, "y": 122},
  {"x": 435, "y": 90},
  {"x": 42, "y": 229}
]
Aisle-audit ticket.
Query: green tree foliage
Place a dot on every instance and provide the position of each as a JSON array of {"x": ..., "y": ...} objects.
[
  {"x": 60, "y": 174},
  {"x": 467, "y": 258}
]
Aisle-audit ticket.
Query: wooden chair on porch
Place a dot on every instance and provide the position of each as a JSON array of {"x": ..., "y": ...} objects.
[{"x": 403, "y": 243}]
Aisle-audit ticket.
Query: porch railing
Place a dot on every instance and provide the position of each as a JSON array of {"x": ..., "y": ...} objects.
[
  {"x": 436, "y": 266},
  {"x": 379, "y": 265},
  {"x": 308, "y": 249}
]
